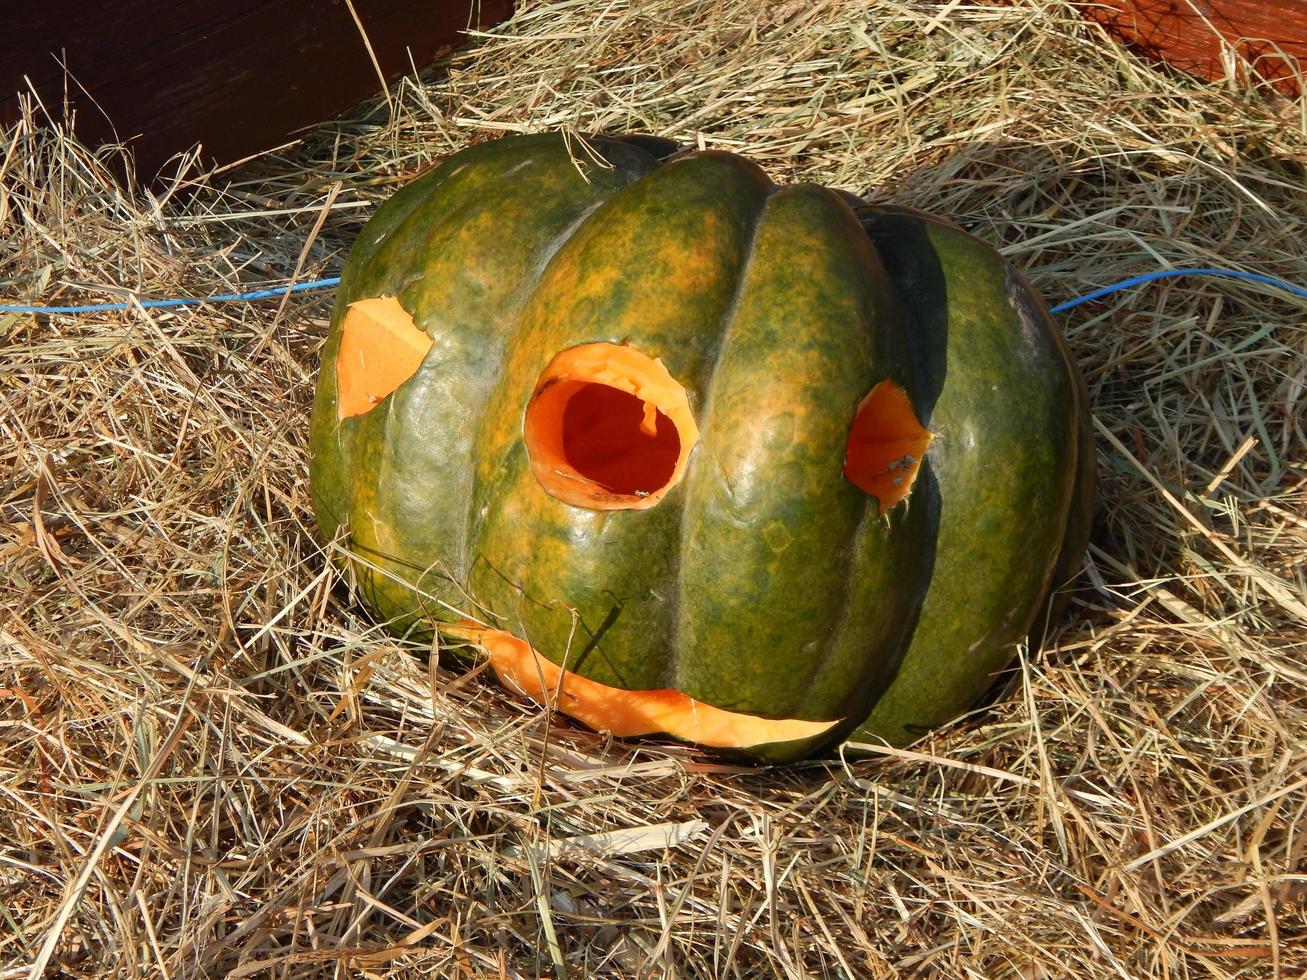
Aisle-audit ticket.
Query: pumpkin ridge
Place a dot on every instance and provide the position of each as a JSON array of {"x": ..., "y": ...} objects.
[
  {"x": 673, "y": 671},
  {"x": 401, "y": 224},
  {"x": 872, "y": 509},
  {"x": 468, "y": 532},
  {"x": 371, "y": 485},
  {"x": 1033, "y": 312},
  {"x": 767, "y": 551},
  {"x": 971, "y": 624},
  {"x": 544, "y": 547},
  {"x": 449, "y": 220},
  {"x": 461, "y": 211},
  {"x": 358, "y": 260},
  {"x": 1022, "y": 299},
  {"x": 462, "y": 530},
  {"x": 850, "y": 559}
]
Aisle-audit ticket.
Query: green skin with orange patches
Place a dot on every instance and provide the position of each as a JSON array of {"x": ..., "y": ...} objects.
[{"x": 763, "y": 582}]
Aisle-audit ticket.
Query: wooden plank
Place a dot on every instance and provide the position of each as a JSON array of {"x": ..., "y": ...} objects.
[
  {"x": 237, "y": 76},
  {"x": 1268, "y": 35}
]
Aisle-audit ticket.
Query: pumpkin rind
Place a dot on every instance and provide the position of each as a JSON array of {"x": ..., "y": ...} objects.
[
  {"x": 779, "y": 554},
  {"x": 439, "y": 246},
  {"x": 544, "y": 560},
  {"x": 762, "y": 582},
  {"x": 1005, "y": 403}
]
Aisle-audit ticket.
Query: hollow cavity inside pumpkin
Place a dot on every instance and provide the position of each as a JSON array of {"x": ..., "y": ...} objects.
[
  {"x": 628, "y": 713},
  {"x": 608, "y": 428},
  {"x": 886, "y": 444},
  {"x": 380, "y": 349}
]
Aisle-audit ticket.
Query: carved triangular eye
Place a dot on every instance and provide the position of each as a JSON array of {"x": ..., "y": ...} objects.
[
  {"x": 886, "y": 444},
  {"x": 608, "y": 428}
]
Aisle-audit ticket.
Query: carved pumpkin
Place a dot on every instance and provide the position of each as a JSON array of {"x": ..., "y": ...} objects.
[{"x": 760, "y": 467}]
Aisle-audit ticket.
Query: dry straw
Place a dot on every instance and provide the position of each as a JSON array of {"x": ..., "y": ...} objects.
[{"x": 212, "y": 765}]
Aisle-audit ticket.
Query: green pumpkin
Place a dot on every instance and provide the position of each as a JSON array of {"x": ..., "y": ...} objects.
[{"x": 762, "y": 467}]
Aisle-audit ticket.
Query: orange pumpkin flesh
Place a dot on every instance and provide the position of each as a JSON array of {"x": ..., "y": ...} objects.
[
  {"x": 380, "y": 349},
  {"x": 886, "y": 443},
  {"x": 628, "y": 713},
  {"x": 608, "y": 428}
]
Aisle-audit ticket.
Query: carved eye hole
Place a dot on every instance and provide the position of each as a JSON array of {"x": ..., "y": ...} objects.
[
  {"x": 380, "y": 349},
  {"x": 886, "y": 443},
  {"x": 608, "y": 428}
]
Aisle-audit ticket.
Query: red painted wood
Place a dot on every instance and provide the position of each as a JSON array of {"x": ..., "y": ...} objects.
[
  {"x": 236, "y": 76},
  {"x": 1271, "y": 35}
]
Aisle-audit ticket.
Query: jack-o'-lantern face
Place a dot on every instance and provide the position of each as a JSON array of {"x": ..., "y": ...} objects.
[{"x": 654, "y": 437}]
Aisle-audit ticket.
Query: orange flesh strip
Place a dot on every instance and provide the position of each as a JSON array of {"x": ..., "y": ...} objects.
[
  {"x": 649, "y": 424},
  {"x": 380, "y": 349},
  {"x": 886, "y": 443},
  {"x": 628, "y": 713},
  {"x": 608, "y": 428}
]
